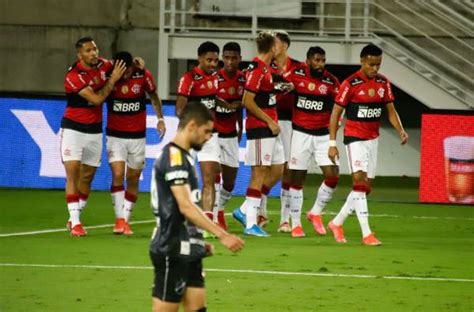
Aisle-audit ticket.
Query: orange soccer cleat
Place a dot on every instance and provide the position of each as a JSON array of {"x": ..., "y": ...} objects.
[
  {"x": 298, "y": 232},
  {"x": 284, "y": 228},
  {"x": 78, "y": 230},
  {"x": 338, "y": 232},
  {"x": 370, "y": 240},
  {"x": 127, "y": 230},
  {"x": 119, "y": 226},
  {"x": 317, "y": 222}
]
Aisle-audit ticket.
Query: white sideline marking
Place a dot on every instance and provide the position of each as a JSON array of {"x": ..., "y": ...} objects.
[
  {"x": 227, "y": 214},
  {"x": 65, "y": 230},
  {"x": 130, "y": 267}
]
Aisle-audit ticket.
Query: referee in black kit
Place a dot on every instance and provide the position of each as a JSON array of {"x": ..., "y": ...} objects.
[{"x": 177, "y": 245}]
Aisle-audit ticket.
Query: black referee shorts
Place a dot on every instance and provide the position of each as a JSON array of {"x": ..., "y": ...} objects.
[{"x": 173, "y": 275}]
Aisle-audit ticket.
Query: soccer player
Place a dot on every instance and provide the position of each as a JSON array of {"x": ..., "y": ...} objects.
[
  {"x": 281, "y": 65},
  {"x": 363, "y": 95},
  {"x": 315, "y": 90},
  {"x": 87, "y": 87},
  {"x": 199, "y": 85},
  {"x": 177, "y": 246},
  {"x": 228, "y": 122},
  {"x": 126, "y": 128},
  {"x": 264, "y": 149}
]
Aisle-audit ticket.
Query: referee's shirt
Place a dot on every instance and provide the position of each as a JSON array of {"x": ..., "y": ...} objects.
[{"x": 174, "y": 236}]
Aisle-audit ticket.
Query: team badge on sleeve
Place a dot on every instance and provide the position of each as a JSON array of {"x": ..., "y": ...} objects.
[{"x": 175, "y": 157}]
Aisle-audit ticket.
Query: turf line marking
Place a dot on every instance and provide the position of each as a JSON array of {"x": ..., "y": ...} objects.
[
  {"x": 227, "y": 214},
  {"x": 129, "y": 267},
  {"x": 66, "y": 230}
]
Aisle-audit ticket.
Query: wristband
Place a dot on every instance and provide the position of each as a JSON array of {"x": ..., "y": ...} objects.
[
  {"x": 161, "y": 119},
  {"x": 332, "y": 143}
]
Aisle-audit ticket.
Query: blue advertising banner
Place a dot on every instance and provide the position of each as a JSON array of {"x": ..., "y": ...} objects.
[{"x": 30, "y": 153}]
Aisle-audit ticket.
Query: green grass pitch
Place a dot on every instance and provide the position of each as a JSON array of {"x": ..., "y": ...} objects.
[{"x": 426, "y": 262}]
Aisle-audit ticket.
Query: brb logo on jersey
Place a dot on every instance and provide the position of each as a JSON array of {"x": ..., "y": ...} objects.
[
  {"x": 309, "y": 105},
  {"x": 121, "y": 107},
  {"x": 366, "y": 112},
  {"x": 209, "y": 103}
]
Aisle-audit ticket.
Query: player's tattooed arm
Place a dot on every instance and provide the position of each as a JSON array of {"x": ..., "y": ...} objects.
[
  {"x": 181, "y": 102},
  {"x": 98, "y": 97}
]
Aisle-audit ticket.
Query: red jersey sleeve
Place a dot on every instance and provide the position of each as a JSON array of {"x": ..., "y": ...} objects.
[
  {"x": 254, "y": 79},
  {"x": 150, "y": 85},
  {"x": 337, "y": 87},
  {"x": 388, "y": 96},
  {"x": 185, "y": 85},
  {"x": 344, "y": 94},
  {"x": 74, "y": 82}
]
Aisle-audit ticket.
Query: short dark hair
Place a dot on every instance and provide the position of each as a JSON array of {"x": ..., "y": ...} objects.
[
  {"x": 232, "y": 46},
  {"x": 370, "y": 49},
  {"x": 125, "y": 56},
  {"x": 80, "y": 42},
  {"x": 207, "y": 46},
  {"x": 315, "y": 50},
  {"x": 265, "y": 41},
  {"x": 194, "y": 111},
  {"x": 283, "y": 36}
]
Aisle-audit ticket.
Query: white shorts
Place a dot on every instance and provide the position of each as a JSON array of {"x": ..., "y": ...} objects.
[
  {"x": 130, "y": 151},
  {"x": 264, "y": 152},
  {"x": 210, "y": 150},
  {"x": 362, "y": 156},
  {"x": 229, "y": 154},
  {"x": 81, "y": 146},
  {"x": 306, "y": 146},
  {"x": 285, "y": 133}
]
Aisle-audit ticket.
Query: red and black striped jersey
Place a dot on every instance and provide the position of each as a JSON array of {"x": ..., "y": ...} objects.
[
  {"x": 80, "y": 115},
  {"x": 284, "y": 100},
  {"x": 126, "y": 105},
  {"x": 363, "y": 100},
  {"x": 260, "y": 82},
  {"x": 198, "y": 86},
  {"x": 230, "y": 89},
  {"x": 314, "y": 99}
]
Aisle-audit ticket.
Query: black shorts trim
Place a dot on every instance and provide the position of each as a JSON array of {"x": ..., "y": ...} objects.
[
  {"x": 67, "y": 123},
  {"x": 351, "y": 139},
  {"x": 284, "y": 114},
  {"x": 232, "y": 134},
  {"x": 321, "y": 131},
  {"x": 259, "y": 133},
  {"x": 124, "y": 134}
]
